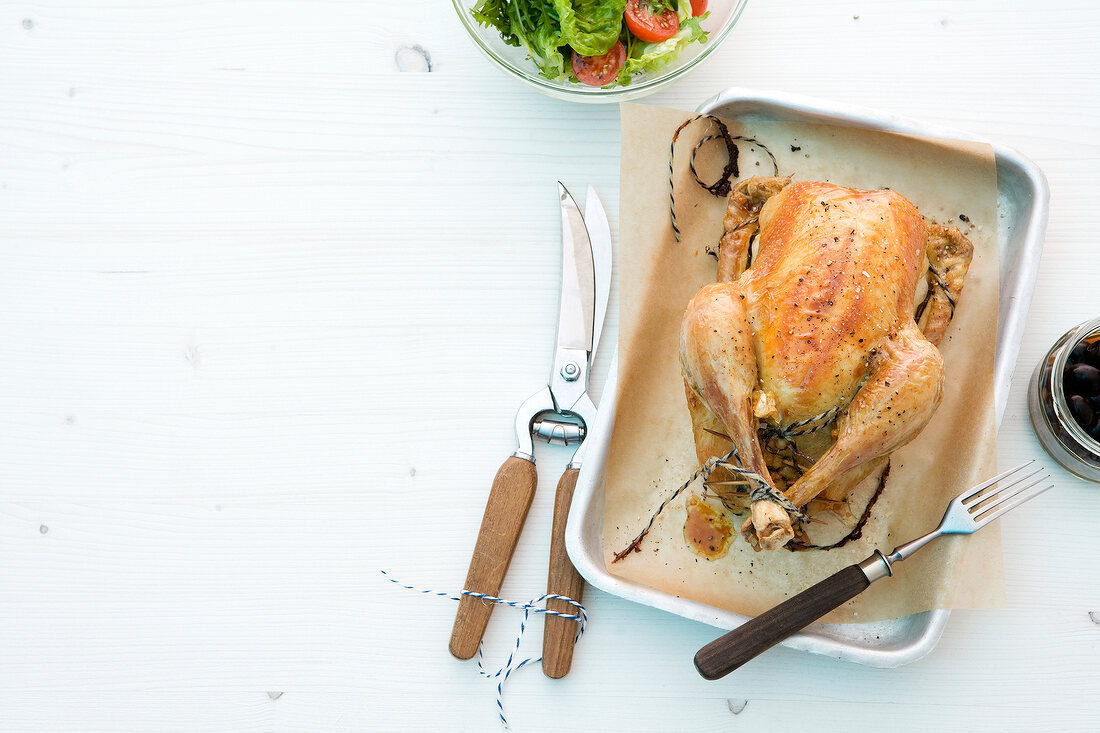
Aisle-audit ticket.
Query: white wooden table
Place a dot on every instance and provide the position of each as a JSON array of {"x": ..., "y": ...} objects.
[{"x": 268, "y": 303}]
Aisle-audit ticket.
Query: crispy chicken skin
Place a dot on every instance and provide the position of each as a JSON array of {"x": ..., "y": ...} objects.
[{"x": 823, "y": 319}]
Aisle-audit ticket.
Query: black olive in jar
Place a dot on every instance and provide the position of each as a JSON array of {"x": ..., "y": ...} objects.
[
  {"x": 1077, "y": 353},
  {"x": 1082, "y": 411},
  {"x": 1081, "y": 384},
  {"x": 1092, "y": 354},
  {"x": 1082, "y": 379}
]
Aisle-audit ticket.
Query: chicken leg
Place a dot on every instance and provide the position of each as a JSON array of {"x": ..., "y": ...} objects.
[
  {"x": 890, "y": 409},
  {"x": 718, "y": 361}
]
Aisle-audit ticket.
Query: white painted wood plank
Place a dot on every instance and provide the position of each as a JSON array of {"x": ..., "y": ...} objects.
[{"x": 255, "y": 283}]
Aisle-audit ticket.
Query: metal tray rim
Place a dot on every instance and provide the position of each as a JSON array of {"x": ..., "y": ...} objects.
[{"x": 584, "y": 525}]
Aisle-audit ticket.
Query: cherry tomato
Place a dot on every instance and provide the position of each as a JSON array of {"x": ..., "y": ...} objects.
[
  {"x": 649, "y": 27},
  {"x": 599, "y": 71},
  {"x": 698, "y": 7}
]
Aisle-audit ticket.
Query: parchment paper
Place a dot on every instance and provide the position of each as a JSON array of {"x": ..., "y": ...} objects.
[{"x": 652, "y": 452}]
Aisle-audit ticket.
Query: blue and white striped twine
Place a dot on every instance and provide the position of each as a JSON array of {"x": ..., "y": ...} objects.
[{"x": 535, "y": 606}]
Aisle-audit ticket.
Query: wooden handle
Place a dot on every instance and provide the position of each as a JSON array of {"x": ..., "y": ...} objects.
[
  {"x": 722, "y": 656},
  {"x": 559, "y": 633},
  {"x": 505, "y": 512}
]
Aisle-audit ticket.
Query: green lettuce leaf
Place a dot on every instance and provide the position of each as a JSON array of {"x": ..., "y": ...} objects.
[
  {"x": 494, "y": 14},
  {"x": 530, "y": 24},
  {"x": 649, "y": 57},
  {"x": 591, "y": 27}
]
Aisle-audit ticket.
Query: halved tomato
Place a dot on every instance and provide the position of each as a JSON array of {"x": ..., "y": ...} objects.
[
  {"x": 698, "y": 7},
  {"x": 599, "y": 71},
  {"x": 648, "y": 27}
]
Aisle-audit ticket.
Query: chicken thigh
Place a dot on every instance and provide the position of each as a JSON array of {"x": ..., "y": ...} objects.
[{"x": 822, "y": 327}]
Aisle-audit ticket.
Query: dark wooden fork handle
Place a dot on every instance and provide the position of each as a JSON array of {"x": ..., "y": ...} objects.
[{"x": 722, "y": 656}]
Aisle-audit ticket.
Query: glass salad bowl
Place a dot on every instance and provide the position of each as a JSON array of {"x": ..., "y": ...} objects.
[{"x": 723, "y": 15}]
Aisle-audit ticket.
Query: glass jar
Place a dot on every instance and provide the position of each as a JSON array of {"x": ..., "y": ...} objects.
[{"x": 1061, "y": 435}]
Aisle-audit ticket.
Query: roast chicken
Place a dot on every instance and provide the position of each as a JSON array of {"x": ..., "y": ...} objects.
[{"x": 830, "y": 328}]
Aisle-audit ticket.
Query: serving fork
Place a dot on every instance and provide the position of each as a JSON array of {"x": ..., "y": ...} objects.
[{"x": 966, "y": 513}]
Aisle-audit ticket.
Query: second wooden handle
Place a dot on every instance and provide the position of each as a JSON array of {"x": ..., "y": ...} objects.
[
  {"x": 509, "y": 501},
  {"x": 564, "y": 580},
  {"x": 722, "y": 656}
]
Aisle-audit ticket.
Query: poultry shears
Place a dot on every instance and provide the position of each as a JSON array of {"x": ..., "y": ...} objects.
[{"x": 560, "y": 413}]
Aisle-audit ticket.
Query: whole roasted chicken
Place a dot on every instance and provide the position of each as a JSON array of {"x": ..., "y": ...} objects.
[{"x": 823, "y": 351}]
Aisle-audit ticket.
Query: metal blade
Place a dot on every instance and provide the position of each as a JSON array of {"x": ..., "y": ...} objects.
[
  {"x": 599, "y": 231},
  {"x": 575, "y": 314}
]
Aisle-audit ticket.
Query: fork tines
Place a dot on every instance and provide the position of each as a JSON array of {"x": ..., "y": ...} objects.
[
  {"x": 968, "y": 496},
  {"x": 1011, "y": 500},
  {"x": 985, "y": 506}
]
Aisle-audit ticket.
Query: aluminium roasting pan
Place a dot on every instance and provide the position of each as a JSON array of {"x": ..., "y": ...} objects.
[{"x": 1023, "y": 198}]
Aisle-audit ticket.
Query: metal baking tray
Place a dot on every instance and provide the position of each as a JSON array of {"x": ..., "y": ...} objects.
[{"x": 1023, "y": 198}]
